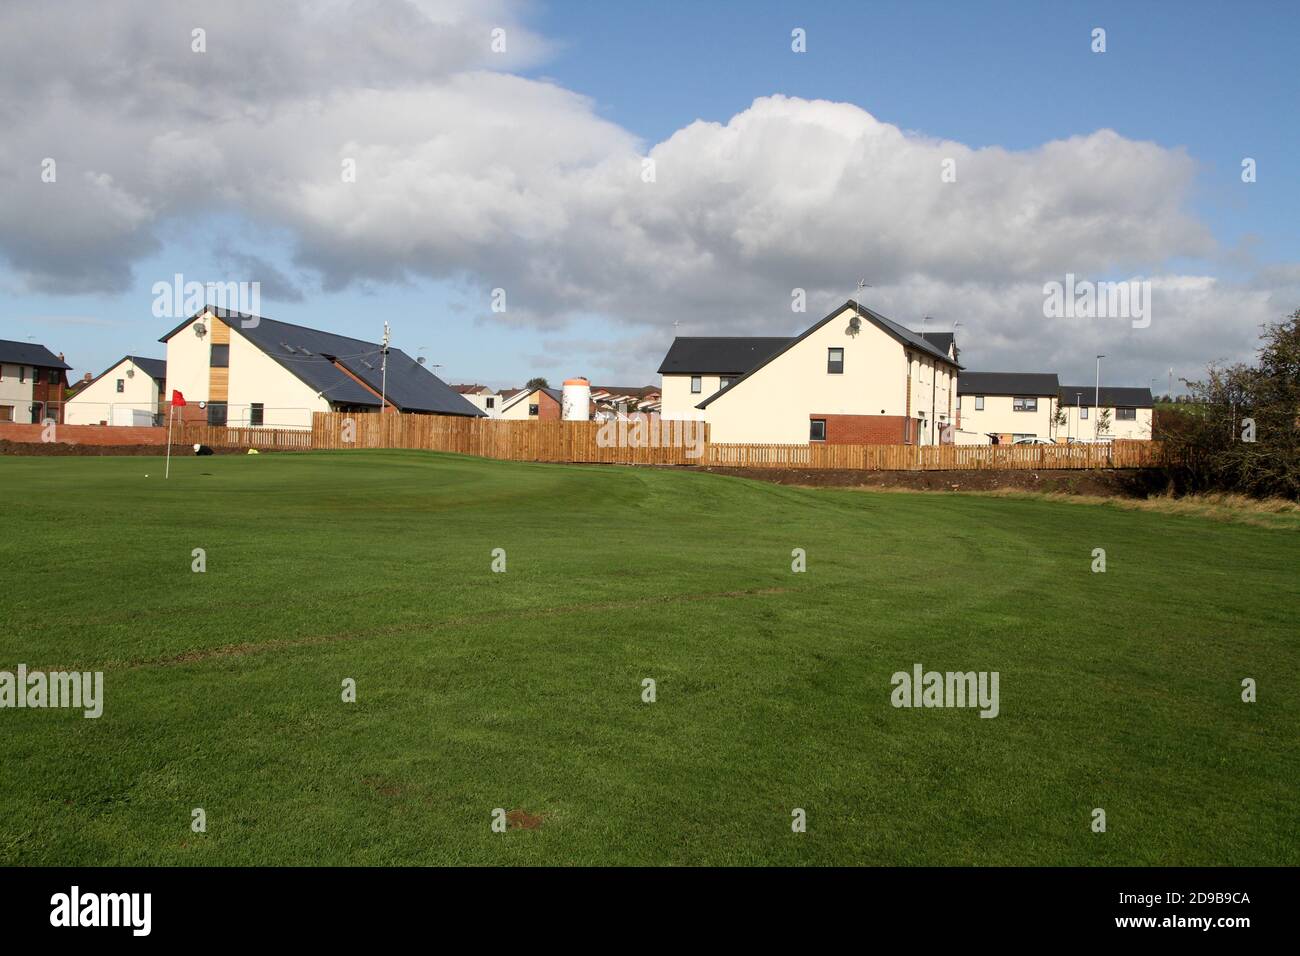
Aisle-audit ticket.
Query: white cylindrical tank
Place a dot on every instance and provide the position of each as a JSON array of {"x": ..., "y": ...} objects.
[{"x": 575, "y": 400}]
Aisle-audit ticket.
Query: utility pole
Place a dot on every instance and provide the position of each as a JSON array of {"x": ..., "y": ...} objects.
[
  {"x": 383, "y": 374},
  {"x": 1096, "y": 402}
]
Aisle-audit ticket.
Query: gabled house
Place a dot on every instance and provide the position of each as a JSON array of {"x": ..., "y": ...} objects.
[
  {"x": 246, "y": 370},
  {"x": 32, "y": 382},
  {"x": 481, "y": 397},
  {"x": 1008, "y": 406},
  {"x": 537, "y": 404},
  {"x": 1126, "y": 412},
  {"x": 855, "y": 377},
  {"x": 128, "y": 392}
]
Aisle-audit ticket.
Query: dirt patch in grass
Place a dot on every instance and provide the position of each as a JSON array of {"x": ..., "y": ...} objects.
[
  {"x": 58, "y": 449},
  {"x": 1121, "y": 484},
  {"x": 523, "y": 820},
  {"x": 382, "y": 787}
]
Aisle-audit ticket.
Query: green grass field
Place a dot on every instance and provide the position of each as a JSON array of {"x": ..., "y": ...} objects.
[{"x": 523, "y": 690}]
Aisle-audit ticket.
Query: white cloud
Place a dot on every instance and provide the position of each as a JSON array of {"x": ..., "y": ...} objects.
[{"x": 470, "y": 173}]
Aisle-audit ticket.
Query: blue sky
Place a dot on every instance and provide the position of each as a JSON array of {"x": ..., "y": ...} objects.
[{"x": 1216, "y": 80}]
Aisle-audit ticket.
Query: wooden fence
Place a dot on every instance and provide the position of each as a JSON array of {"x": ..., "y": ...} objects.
[
  {"x": 660, "y": 443},
  {"x": 1120, "y": 454},
  {"x": 218, "y": 436}
]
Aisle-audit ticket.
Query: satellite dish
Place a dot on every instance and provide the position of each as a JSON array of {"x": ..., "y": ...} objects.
[
  {"x": 420, "y": 360},
  {"x": 200, "y": 329},
  {"x": 855, "y": 325},
  {"x": 203, "y": 404}
]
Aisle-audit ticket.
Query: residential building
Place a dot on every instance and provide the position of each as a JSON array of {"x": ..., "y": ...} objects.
[
  {"x": 1008, "y": 406},
  {"x": 481, "y": 397},
  {"x": 697, "y": 367},
  {"x": 1125, "y": 411},
  {"x": 246, "y": 370},
  {"x": 853, "y": 377},
  {"x": 129, "y": 392},
  {"x": 32, "y": 383},
  {"x": 611, "y": 401},
  {"x": 537, "y": 404}
]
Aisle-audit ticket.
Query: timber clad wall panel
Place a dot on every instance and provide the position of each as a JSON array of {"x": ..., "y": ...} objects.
[
  {"x": 578, "y": 442},
  {"x": 218, "y": 384},
  {"x": 220, "y": 332}
]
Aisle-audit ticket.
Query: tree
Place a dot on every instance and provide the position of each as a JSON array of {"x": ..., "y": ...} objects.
[
  {"x": 1103, "y": 421},
  {"x": 533, "y": 383},
  {"x": 1241, "y": 430}
]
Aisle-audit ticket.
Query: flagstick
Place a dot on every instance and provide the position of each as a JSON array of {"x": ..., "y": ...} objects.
[{"x": 171, "y": 417}]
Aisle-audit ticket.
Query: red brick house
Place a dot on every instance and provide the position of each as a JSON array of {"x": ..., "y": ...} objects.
[{"x": 33, "y": 381}]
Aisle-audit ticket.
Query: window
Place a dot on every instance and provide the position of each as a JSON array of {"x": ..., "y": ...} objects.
[
  {"x": 256, "y": 414},
  {"x": 220, "y": 356},
  {"x": 22, "y": 373},
  {"x": 491, "y": 403},
  {"x": 1022, "y": 404},
  {"x": 1083, "y": 412},
  {"x": 36, "y": 376},
  {"x": 979, "y": 403},
  {"x": 6, "y": 413},
  {"x": 958, "y": 403},
  {"x": 817, "y": 429},
  {"x": 724, "y": 382},
  {"x": 696, "y": 385},
  {"x": 835, "y": 361},
  {"x": 216, "y": 413},
  {"x": 121, "y": 385},
  {"x": 532, "y": 410},
  {"x": 1126, "y": 414}
]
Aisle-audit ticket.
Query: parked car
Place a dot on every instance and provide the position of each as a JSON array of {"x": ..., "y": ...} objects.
[
  {"x": 1033, "y": 441},
  {"x": 1090, "y": 441}
]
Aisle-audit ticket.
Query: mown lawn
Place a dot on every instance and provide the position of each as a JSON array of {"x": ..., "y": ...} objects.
[{"x": 523, "y": 690}]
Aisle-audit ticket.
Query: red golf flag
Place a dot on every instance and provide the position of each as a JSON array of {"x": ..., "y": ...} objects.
[{"x": 177, "y": 398}]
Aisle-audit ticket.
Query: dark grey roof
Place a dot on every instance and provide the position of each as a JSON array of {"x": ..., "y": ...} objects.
[
  {"x": 1007, "y": 383},
  {"x": 154, "y": 368},
  {"x": 719, "y": 355},
  {"x": 29, "y": 353},
  {"x": 1112, "y": 396},
  {"x": 310, "y": 354},
  {"x": 889, "y": 326},
  {"x": 943, "y": 341}
]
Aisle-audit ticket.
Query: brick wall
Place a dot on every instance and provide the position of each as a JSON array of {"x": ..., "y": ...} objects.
[
  {"x": 866, "y": 429},
  {"x": 548, "y": 409},
  {"x": 87, "y": 434}
]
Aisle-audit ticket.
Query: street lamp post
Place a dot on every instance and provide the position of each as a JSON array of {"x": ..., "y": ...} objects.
[{"x": 1096, "y": 402}]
